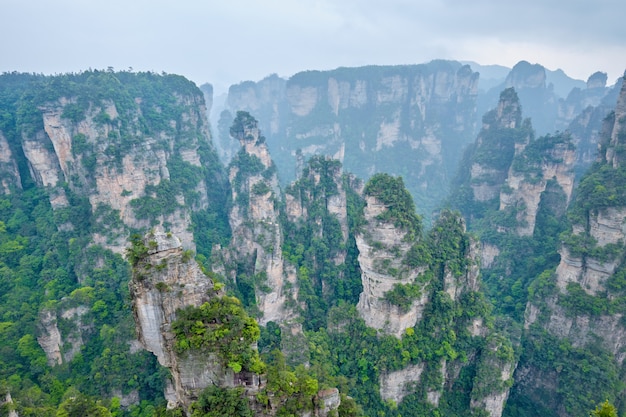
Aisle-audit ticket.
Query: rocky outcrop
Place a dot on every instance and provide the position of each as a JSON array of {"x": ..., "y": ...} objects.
[
  {"x": 489, "y": 254},
  {"x": 580, "y": 99},
  {"x": 577, "y": 304},
  {"x": 122, "y": 153},
  {"x": 326, "y": 402},
  {"x": 42, "y": 162},
  {"x": 320, "y": 190},
  {"x": 550, "y": 158},
  {"x": 373, "y": 119},
  {"x": 586, "y": 128},
  {"x": 381, "y": 269},
  {"x": 50, "y": 337},
  {"x": 9, "y": 174},
  {"x": 589, "y": 273},
  {"x": 263, "y": 99},
  {"x": 502, "y": 136},
  {"x": 615, "y": 131},
  {"x": 165, "y": 280},
  {"x": 8, "y": 406},
  {"x": 525, "y": 75},
  {"x": 396, "y": 385},
  {"x": 494, "y": 376},
  {"x": 536, "y": 95},
  {"x": 454, "y": 284},
  {"x": 256, "y": 233},
  {"x": 62, "y": 348}
]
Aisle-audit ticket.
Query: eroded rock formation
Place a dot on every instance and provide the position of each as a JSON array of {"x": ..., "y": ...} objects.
[
  {"x": 165, "y": 280},
  {"x": 380, "y": 245}
]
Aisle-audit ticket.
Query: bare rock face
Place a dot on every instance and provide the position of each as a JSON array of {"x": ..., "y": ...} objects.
[
  {"x": 530, "y": 174},
  {"x": 497, "y": 361},
  {"x": 455, "y": 281},
  {"x": 61, "y": 348},
  {"x": 489, "y": 254},
  {"x": 50, "y": 337},
  {"x": 7, "y": 404},
  {"x": 615, "y": 128},
  {"x": 9, "y": 174},
  {"x": 165, "y": 280},
  {"x": 597, "y": 80},
  {"x": 263, "y": 99},
  {"x": 42, "y": 162},
  {"x": 583, "y": 113},
  {"x": 591, "y": 274},
  {"x": 577, "y": 308},
  {"x": 502, "y": 136},
  {"x": 396, "y": 385},
  {"x": 524, "y": 75},
  {"x": 469, "y": 280},
  {"x": 327, "y": 402},
  {"x": 372, "y": 119},
  {"x": 122, "y": 159},
  {"x": 381, "y": 268},
  {"x": 256, "y": 234}
]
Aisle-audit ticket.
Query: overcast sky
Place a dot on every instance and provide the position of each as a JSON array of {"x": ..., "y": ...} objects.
[{"x": 227, "y": 41}]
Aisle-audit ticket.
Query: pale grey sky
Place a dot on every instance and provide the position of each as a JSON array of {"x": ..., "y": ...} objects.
[{"x": 228, "y": 41}]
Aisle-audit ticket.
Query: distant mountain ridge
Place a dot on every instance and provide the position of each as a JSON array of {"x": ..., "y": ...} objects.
[{"x": 411, "y": 120}]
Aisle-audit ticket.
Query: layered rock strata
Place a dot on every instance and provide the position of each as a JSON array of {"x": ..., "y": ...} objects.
[
  {"x": 381, "y": 269},
  {"x": 164, "y": 281},
  {"x": 372, "y": 119},
  {"x": 254, "y": 219}
]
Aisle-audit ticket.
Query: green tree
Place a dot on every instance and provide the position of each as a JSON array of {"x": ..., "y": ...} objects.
[
  {"x": 218, "y": 402},
  {"x": 606, "y": 409},
  {"x": 82, "y": 406}
]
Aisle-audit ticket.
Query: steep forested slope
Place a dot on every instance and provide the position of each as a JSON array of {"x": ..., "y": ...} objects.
[
  {"x": 551, "y": 251},
  {"x": 87, "y": 159}
]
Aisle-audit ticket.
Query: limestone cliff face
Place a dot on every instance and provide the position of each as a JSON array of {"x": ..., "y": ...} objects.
[
  {"x": 590, "y": 269},
  {"x": 42, "y": 162},
  {"x": 452, "y": 284},
  {"x": 550, "y": 158},
  {"x": 502, "y": 136},
  {"x": 8, "y": 406},
  {"x": 580, "y": 309},
  {"x": 124, "y": 148},
  {"x": 256, "y": 233},
  {"x": 164, "y": 281},
  {"x": 525, "y": 75},
  {"x": 61, "y": 348},
  {"x": 9, "y": 174},
  {"x": 263, "y": 99},
  {"x": 497, "y": 361},
  {"x": 603, "y": 225},
  {"x": 397, "y": 385},
  {"x": 381, "y": 268},
  {"x": 372, "y": 119},
  {"x": 50, "y": 337},
  {"x": 615, "y": 128},
  {"x": 580, "y": 99},
  {"x": 536, "y": 94},
  {"x": 509, "y": 170},
  {"x": 585, "y": 111},
  {"x": 320, "y": 189}
]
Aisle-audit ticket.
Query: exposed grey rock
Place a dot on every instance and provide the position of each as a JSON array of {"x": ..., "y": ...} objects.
[{"x": 163, "y": 283}]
